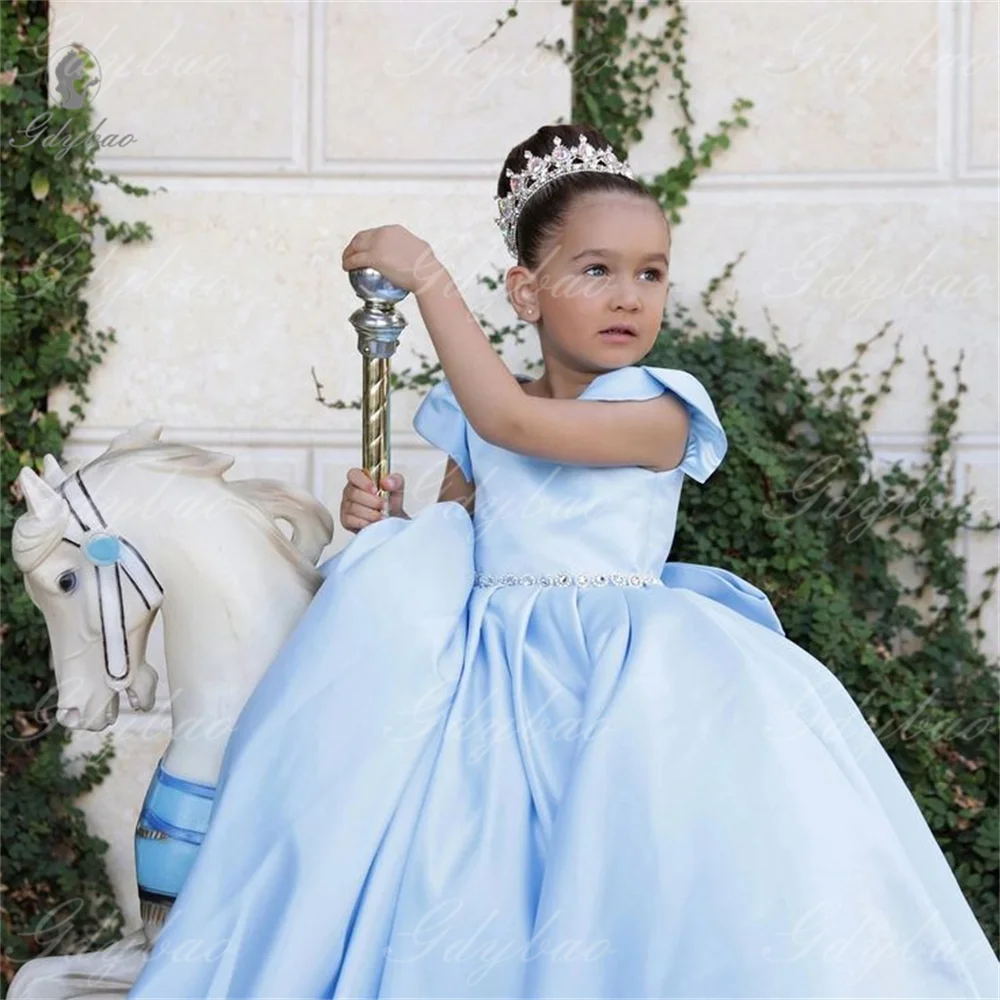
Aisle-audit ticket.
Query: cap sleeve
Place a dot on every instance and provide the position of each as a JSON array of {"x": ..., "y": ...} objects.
[
  {"x": 440, "y": 421},
  {"x": 706, "y": 444}
]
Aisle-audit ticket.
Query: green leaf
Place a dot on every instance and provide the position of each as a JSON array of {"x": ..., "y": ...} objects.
[{"x": 39, "y": 185}]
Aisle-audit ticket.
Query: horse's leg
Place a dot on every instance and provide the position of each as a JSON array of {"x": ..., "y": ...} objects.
[{"x": 96, "y": 975}]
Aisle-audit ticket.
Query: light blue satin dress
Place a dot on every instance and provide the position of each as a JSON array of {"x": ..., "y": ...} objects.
[{"x": 520, "y": 755}]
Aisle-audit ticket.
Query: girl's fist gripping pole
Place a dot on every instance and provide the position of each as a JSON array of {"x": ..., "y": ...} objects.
[{"x": 361, "y": 504}]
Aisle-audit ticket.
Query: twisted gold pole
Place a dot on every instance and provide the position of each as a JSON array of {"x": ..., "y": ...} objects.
[
  {"x": 375, "y": 421},
  {"x": 378, "y": 326}
]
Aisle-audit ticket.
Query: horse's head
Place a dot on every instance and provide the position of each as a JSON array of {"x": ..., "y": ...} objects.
[
  {"x": 97, "y": 594},
  {"x": 97, "y": 567}
]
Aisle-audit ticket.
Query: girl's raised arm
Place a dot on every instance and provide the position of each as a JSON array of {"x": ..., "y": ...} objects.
[{"x": 650, "y": 433}]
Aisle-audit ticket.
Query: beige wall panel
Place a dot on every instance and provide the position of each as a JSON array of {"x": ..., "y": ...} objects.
[
  {"x": 193, "y": 81},
  {"x": 837, "y": 85},
  {"x": 221, "y": 318},
  {"x": 982, "y": 69},
  {"x": 402, "y": 81},
  {"x": 832, "y": 274}
]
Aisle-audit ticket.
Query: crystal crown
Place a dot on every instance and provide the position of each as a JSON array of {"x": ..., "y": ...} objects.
[{"x": 542, "y": 170}]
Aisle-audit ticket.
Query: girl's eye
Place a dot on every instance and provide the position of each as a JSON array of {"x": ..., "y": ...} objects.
[
  {"x": 67, "y": 582},
  {"x": 658, "y": 274}
]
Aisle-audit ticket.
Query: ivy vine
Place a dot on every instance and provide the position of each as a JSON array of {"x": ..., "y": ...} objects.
[{"x": 57, "y": 896}]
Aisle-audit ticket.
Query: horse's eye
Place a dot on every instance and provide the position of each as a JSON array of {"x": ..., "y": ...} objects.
[{"x": 67, "y": 582}]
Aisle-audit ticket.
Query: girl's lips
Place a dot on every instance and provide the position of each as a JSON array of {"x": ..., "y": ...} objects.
[{"x": 617, "y": 336}]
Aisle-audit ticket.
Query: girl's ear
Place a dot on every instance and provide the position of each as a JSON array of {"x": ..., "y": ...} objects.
[{"x": 522, "y": 292}]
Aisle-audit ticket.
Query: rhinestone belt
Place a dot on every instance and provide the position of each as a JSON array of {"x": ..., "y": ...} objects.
[{"x": 565, "y": 580}]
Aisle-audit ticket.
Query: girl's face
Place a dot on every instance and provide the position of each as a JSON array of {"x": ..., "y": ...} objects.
[{"x": 607, "y": 268}]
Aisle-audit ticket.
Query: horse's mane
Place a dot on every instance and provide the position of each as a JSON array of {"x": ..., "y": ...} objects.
[{"x": 260, "y": 500}]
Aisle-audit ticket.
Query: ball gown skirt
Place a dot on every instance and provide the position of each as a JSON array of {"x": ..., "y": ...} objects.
[{"x": 523, "y": 755}]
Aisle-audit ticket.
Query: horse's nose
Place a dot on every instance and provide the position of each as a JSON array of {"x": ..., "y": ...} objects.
[{"x": 68, "y": 717}]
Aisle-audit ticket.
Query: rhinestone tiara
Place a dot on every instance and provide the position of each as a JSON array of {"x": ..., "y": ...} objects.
[{"x": 542, "y": 170}]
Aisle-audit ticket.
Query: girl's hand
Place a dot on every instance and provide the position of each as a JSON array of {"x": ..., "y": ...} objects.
[
  {"x": 406, "y": 260},
  {"x": 360, "y": 504}
]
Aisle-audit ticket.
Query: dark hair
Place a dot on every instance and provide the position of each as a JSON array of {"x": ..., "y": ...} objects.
[{"x": 544, "y": 213}]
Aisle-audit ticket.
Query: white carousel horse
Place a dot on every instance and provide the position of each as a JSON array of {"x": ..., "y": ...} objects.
[{"x": 147, "y": 527}]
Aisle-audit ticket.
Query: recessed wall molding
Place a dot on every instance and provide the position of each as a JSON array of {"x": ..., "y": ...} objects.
[
  {"x": 972, "y": 56},
  {"x": 295, "y": 161}
]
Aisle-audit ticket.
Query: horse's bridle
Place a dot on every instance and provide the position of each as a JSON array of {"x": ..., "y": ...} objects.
[{"x": 111, "y": 555}]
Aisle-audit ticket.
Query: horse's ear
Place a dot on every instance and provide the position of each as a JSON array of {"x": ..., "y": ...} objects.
[
  {"x": 140, "y": 436},
  {"x": 54, "y": 474},
  {"x": 42, "y": 500},
  {"x": 39, "y": 531}
]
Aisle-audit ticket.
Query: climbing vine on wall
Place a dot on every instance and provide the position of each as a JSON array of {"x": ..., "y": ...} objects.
[{"x": 57, "y": 897}]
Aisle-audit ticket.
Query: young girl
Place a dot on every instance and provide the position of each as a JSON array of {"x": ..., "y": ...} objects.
[{"x": 510, "y": 751}]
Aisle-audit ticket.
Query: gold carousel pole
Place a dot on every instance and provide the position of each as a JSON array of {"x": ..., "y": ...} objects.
[{"x": 378, "y": 326}]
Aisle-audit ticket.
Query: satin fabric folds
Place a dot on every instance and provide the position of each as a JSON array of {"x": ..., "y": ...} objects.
[{"x": 444, "y": 790}]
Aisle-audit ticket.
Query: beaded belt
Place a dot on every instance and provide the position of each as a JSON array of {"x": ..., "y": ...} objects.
[{"x": 566, "y": 580}]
